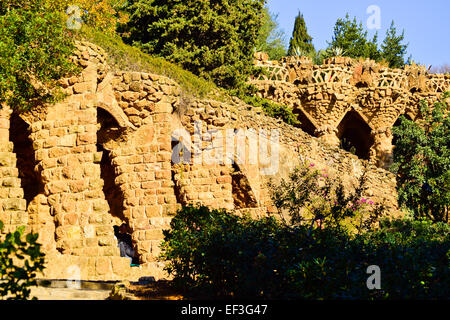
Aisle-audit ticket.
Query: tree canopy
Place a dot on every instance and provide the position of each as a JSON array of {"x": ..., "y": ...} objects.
[
  {"x": 349, "y": 35},
  {"x": 271, "y": 38},
  {"x": 422, "y": 162},
  {"x": 213, "y": 39},
  {"x": 393, "y": 51},
  {"x": 34, "y": 52}
]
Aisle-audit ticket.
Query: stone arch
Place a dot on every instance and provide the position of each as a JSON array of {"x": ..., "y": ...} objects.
[
  {"x": 116, "y": 113},
  {"x": 109, "y": 130},
  {"x": 39, "y": 212},
  {"x": 19, "y": 135},
  {"x": 307, "y": 124},
  {"x": 243, "y": 195},
  {"x": 355, "y": 134}
]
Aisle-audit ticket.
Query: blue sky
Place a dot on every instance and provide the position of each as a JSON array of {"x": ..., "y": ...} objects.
[{"x": 426, "y": 23}]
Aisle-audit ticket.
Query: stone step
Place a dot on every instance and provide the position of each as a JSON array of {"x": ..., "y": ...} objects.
[
  {"x": 42, "y": 293},
  {"x": 68, "y": 290}
]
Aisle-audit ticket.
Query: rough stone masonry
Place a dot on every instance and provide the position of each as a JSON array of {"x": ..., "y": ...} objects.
[{"x": 103, "y": 157}]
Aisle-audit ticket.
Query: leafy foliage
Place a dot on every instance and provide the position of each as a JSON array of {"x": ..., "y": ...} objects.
[
  {"x": 211, "y": 252},
  {"x": 102, "y": 15},
  {"x": 300, "y": 40},
  {"x": 215, "y": 40},
  {"x": 271, "y": 38},
  {"x": 422, "y": 162},
  {"x": 34, "y": 53},
  {"x": 19, "y": 262},
  {"x": 349, "y": 35}
]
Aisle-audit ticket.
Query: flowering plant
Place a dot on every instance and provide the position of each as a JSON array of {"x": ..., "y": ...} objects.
[{"x": 311, "y": 196}]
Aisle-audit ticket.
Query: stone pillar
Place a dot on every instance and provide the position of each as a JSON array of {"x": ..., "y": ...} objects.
[
  {"x": 328, "y": 134},
  {"x": 64, "y": 140},
  {"x": 381, "y": 152},
  {"x": 12, "y": 203},
  {"x": 145, "y": 178}
]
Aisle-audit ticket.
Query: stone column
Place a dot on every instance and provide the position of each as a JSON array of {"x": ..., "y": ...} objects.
[
  {"x": 12, "y": 203},
  {"x": 328, "y": 134},
  {"x": 381, "y": 152},
  {"x": 64, "y": 139}
]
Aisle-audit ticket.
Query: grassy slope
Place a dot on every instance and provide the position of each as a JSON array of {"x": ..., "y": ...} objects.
[{"x": 127, "y": 58}]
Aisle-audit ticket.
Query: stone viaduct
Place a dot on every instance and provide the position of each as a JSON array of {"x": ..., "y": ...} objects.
[
  {"x": 350, "y": 103},
  {"x": 104, "y": 155}
]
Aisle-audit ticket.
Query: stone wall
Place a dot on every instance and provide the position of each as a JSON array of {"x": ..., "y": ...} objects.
[{"x": 106, "y": 156}]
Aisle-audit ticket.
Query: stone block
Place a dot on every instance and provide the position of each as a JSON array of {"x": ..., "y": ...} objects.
[
  {"x": 163, "y": 107},
  {"x": 103, "y": 266}
]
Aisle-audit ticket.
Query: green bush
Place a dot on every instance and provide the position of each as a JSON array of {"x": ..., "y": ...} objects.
[
  {"x": 19, "y": 262},
  {"x": 34, "y": 53},
  {"x": 422, "y": 162},
  {"x": 311, "y": 196},
  {"x": 270, "y": 108},
  {"x": 211, "y": 252}
]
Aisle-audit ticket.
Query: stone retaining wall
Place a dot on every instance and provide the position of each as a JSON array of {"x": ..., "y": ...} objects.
[{"x": 127, "y": 125}]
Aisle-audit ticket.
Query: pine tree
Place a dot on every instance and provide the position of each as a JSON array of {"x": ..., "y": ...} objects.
[
  {"x": 393, "y": 51},
  {"x": 351, "y": 37},
  {"x": 300, "y": 37}
]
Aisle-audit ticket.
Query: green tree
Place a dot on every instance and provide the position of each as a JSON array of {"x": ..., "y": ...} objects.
[
  {"x": 20, "y": 260},
  {"x": 34, "y": 53},
  {"x": 422, "y": 162},
  {"x": 300, "y": 40},
  {"x": 271, "y": 38},
  {"x": 213, "y": 39},
  {"x": 392, "y": 49},
  {"x": 349, "y": 35}
]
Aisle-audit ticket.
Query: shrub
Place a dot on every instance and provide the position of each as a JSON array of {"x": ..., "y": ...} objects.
[
  {"x": 270, "y": 108},
  {"x": 422, "y": 162},
  {"x": 19, "y": 262},
  {"x": 34, "y": 53},
  {"x": 211, "y": 252},
  {"x": 310, "y": 196},
  {"x": 101, "y": 15}
]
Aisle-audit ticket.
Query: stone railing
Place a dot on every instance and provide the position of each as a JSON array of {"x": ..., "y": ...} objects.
[
  {"x": 391, "y": 79},
  {"x": 274, "y": 73},
  {"x": 331, "y": 74},
  {"x": 439, "y": 83},
  {"x": 379, "y": 77}
]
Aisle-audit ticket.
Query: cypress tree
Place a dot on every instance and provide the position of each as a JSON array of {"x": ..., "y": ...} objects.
[{"x": 300, "y": 37}]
